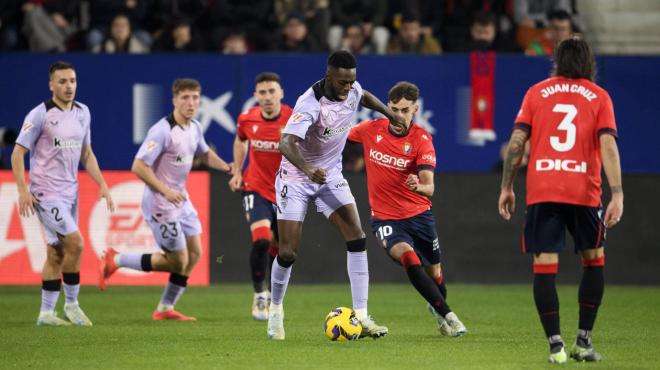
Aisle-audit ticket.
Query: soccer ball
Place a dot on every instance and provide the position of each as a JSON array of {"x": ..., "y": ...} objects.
[{"x": 342, "y": 325}]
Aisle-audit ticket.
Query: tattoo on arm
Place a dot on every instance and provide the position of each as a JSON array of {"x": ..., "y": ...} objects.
[
  {"x": 616, "y": 189},
  {"x": 514, "y": 154}
]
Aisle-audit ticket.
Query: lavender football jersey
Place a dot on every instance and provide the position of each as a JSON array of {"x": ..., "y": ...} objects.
[
  {"x": 169, "y": 149},
  {"x": 323, "y": 124},
  {"x": 55, "y": 138}
]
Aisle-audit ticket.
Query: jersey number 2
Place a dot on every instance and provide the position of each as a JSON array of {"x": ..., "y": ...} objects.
[{"x": 567, "y": 125}]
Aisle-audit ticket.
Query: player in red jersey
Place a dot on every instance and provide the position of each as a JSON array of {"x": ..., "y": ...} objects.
[
  {"x": 400, "y": 163},
  {"x": 569, "y": 121},
  {"x": 260, "y": 127}
]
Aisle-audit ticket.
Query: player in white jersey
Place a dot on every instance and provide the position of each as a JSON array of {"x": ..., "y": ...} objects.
[
  {"x": 311, "y": 145},
  {"x": 163, "y": 163},
  {"x": 57, "y": 135}
]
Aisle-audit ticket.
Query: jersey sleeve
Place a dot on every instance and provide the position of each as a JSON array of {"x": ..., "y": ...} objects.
[
  {"x": 32, "y": 125},
  {"x": 355, "y": 135},
  {"x": 524, "y": 118},
  {"x": 605, "y": 121},
  {"x": 88, "y": 134},
  {"x": 154, "y": 144},
  {"x": 426, "y": 155},
  {"x": 240, "y": 127},
  {"x": 202, "y": 146},
  {"x": 305, "y": 113}
]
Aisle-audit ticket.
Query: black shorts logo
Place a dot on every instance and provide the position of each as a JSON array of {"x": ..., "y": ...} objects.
[{"x": 283, "y": 192}]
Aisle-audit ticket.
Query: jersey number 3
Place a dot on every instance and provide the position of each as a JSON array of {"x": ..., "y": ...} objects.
[{"x": 567, "y": 125}]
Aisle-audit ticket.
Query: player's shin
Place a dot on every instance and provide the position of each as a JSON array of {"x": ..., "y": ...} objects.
[
  {"x": 423, "y": 282},
  {"x": 279, "y": 279},
  {"x": 50, "y": 292},
  {"x": 134, "y": 261},
  {"x": 71, "y": 286},
  {"x": 590, "y": 295},
  {"x": 273, "y": 249},
  {"x": 358, "y": 273},
  {"x": 440, "y": 282},
  {"x": 173, "y": 291},
  {"x": 547, "y": 302},
  {"x": 258, "y": 264}
]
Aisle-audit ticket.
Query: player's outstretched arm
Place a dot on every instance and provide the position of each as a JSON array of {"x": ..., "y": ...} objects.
[
  {"x": 240, "y": 153},
  {"x": 289, "y": 149},
  {"x": 372, "y": 102},
  {"x": 26, "y": 200},
  {"x": 514, "y": 155},
  {"x": 211, "y": 159},
  {"x": 146, "y": 174},
  {"x": 422, "y": 184},
  {"x": 91, "y": 164},
  {"x": 610, "y": 156}
]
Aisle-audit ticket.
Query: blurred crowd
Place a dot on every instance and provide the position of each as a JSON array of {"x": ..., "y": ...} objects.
[{"x": 247, "y": 26}]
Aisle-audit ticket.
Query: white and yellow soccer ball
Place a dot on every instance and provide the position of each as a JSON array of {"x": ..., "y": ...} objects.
[{"x": 342, "y": 325}]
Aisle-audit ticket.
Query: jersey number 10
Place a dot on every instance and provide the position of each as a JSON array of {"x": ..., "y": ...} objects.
[{"x": 567, "y": 125}]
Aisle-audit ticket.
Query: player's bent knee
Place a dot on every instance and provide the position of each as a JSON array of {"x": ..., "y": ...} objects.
[
  {"x": 435, "y": 271},
  {"x": 593, "y": 253},
  {"x": 546, "y": 258},
  {"x": 73, "y": 244},
  {"x": 261, "y": 233},
  {"x": 194, "y": 256},
  {"x": 409, "y": 259},
  {"x": 399, "y": 249},
  {"x": 593, "y": 262},
  {"x": 179, "y": 263},
  {"x": 55, "y": 255},
  {"x": 287, "y": 255}
]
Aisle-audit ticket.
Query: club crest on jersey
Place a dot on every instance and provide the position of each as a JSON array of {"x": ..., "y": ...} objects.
[
  {"x": 379, "y": 138},
  {"x": 54, "y": 123},
  {"x": 182, "y": 160},
  {"x": 151, "y": 145},
  {"x": 27, "y": 127},
  {"x": 352, "y": 103},
  {"x": 425, "y": 137},
  {"x": 296, "y": 118},
  {"x": 255, "y": 128},
  {"x": 407, "y": 147}
]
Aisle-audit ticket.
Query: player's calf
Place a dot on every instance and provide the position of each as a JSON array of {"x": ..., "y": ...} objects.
[{"x": 547, "y": 303}]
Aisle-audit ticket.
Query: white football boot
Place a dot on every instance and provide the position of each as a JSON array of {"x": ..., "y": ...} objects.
[
  {"x": 75, "y": 314},
  {"x": 276, "y": 322},
  {"x": 260, "y": 306},
  {"x": 49, "y": 318}
]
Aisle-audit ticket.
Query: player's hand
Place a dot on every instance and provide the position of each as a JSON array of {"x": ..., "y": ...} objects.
[
  {"x": 507, "y": 203},
  {"x": 26, "y": 203},
  {"x": 105, "y": 193},
  {"x": 174, "y": 197},
  {"x": 236, "y": 182},
  {"x": 412, "y": 181},
  {"x": 398, "y": 121},
  {"x": 318, "y": 175},
  {"x": 614, "y": 210}
]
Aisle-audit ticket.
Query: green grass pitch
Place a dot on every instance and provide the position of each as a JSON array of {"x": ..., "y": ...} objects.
[{"x": 504, "y": 331}]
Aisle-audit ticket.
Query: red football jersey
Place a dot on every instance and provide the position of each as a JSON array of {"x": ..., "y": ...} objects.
[
  {"x": 565, "y": 118},
  {"x": 389, "y": 160},
  {"x": 264, "y": 155}
]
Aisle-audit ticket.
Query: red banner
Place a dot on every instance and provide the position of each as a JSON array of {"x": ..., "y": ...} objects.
[
  {"x": 23, "y": 246},
  {"x": 482, "y": 79}
]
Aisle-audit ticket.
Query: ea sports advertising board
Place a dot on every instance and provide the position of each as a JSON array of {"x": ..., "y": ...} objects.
[{"x": 23, "y": 245}]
